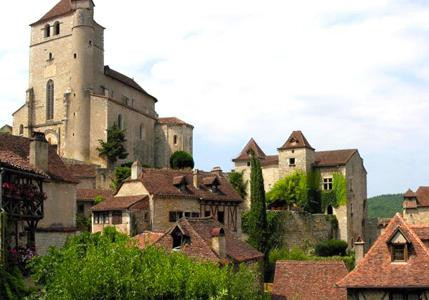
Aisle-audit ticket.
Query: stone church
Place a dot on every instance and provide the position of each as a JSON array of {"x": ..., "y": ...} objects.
[
  {"x": 73, "y": 97},
  {"x": 297, "y": 154}
]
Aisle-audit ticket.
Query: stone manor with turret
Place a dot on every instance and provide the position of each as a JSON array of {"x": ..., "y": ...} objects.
[
  {"x": 297, "y": 154},
  {"x": 73, "y": 97}
]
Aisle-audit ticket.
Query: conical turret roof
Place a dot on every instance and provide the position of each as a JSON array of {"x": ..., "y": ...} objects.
[
  {"x": 250, "y": 146},
  {"x": 295, "y": 141}
]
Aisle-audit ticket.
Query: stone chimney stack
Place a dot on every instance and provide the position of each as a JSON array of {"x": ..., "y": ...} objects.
[
  {"x": 359, "y": 250},
  {"x": 39, "y": 151},
  {"x": 195, "y": 179},
  {"x": 136, "y": 170},
  {"x": 219, "y": 242},
  {"x": 217, "y": 171}
]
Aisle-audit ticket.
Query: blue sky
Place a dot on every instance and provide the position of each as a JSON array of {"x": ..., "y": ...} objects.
[{"x": 349, "y": 74}]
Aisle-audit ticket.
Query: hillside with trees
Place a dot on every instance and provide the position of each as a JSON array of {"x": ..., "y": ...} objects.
[{"x": 384, "y": 206}]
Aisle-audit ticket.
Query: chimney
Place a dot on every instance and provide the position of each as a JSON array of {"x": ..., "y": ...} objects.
[
  {"x": 219, "y": 242},
  {"x": 195, "y": 179},
  {"x": 136, "y": 170},
  {"x": 217, "y": 171},
  {"x": 359, "y": 251},
  {"x": 39, "y": 150}
]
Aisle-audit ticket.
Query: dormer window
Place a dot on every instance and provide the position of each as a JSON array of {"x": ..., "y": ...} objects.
[
  {"x": 399, "y": 247},
  {"x": 180, "y": 183},
  {"x": 212, "y": 183},
  {"x": 398, "y": 252}
]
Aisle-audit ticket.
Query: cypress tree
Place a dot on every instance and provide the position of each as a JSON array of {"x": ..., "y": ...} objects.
[{"x": 258, "y": 235}]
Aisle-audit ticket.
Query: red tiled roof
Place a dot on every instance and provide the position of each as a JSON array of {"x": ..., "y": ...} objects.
[
  {"x": 173, "y": 121},
  {"x": 410, "y": 194},
  {"x": 14, "y": 153},
  {"x": 333, "y": 158},
  {"x": 83, "y": 170},
  {"x": 126, "y": 80},
  {"x": 200, "y": 233},
  {"x": 120, "y": 203},
  {"x": 160, "y": 182},
  {"x": 62, "y": 8},
  {"x": 250, "y": 146},
  {"x": 422, "y": 231},
  {"x": 309, "y": 280},
  {"x": 423, "y": 196},
  {"x": 295, "y": 141},
  {"x": 148, "y": 238},
  {"x": 90, "y": 194},
  {"x": 376, "y": 270}
]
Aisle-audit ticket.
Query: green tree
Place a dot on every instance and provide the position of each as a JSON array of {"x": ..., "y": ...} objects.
[
  {"x": 181, "y": 160},
  {"x": 238, "y": 183},
  {"x": 110, "y": 266},
  {"x": 114, "y": 148},
  {"x": 120, "y": 174},
  {"x": 258, "y": 234}
]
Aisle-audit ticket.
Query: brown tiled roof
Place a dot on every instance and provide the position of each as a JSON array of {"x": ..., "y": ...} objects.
[
  {"x": 160, "y": 182},
  {"x": 309, "y": 280},
  {"x": 90, "y": 194},
  {"x": 126, "y": 80},
  {"x": 410, "y": 194},
  {"x": 200, "y": 233},
  {"x": 409, "y": 204},
  {"x": 173, "y": 121},
  {"x": 61, "y": 8},
  {"x": 119, "y": 203},
  {"x": 83, "y": 170},
  {"x": 422, "y": 231},
  {"x": 333, "y": 158},
  {"x": 148, "y": 238},
  {"x": 14, "y": 153},
  {"x": 250, "y": 146},
  {"x": 295, "y": 141},
  {"x": 422, "y": 194},
  {"x": 376, "y": 270},
  {"x": 270, "y": 160}
]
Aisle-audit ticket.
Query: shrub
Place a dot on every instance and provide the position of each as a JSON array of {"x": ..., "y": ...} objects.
[
  {"x": 12, "y": 285},
  {"x": 181, "y": 160},
  {"x": 119, "y": 175},
  {"x": 110, "y": 266},
  {"x": 114, "y": 148},
  {"x": 238, "y": 183},
  {"x": 331, "y": 248}
]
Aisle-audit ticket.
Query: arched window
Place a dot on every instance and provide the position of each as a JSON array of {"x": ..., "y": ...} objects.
[
  {"x": 47, "y": 30},
  {"x": 50, "y": 100},
  {"x": 120, "y": 122},
  {"x": 175, "y": 140},
  {"x": 21, "y": 129},
  {"x": 330, "y": 210},
  {"x": 141, "y": 131},
  {"x": 50, "y": 57},
  {"x": 57, "y": 28}
]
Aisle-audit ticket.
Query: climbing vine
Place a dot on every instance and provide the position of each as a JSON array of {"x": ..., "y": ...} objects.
[{"x": 338, "y": 195}]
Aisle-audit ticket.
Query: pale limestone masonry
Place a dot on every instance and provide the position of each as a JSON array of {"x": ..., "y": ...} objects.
[
  {"x": 89, "y": 97},
  {"x": 297, "y": 155}
]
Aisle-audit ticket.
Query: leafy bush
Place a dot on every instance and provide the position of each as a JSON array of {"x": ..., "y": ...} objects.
[
  {"x": 238, "y": 183},
  {"x": 12, "y": 285},
  {"x": 83, "y": 223},
  {"x": 110, "y": 266},
  {"x": 119, "y": 175},
  {"x": 331, "y": 248},
  {"x": 181, "y": 160},
  {"x": 113, "y": 149}
]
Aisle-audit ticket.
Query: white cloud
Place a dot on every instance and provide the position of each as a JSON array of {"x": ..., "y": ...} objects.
[{"x": 335, "y": 69}]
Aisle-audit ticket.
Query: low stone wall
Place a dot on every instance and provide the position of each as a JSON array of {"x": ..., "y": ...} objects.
[
  {"x": 45, "y": 240},
  {"x": 304, "y": 230}
]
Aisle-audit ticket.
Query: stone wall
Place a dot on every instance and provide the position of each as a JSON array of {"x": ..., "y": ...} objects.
[
  {"x": 305, "y": 230},
  {"x": 45, "y": 240}
]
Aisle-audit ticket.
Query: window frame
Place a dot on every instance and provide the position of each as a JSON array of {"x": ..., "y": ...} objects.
[
  {"x": 174, "y": 216},
  {"x": 292, "y": 161},
  {"x": 328, "y": 183},
  {"x": 404, "y": 250},
  {"x": 50, "y": 99},
  {"x": 57, "y": 28},
  {"x": 218, "y": 217},
  {"x": 117, "y": 217},
  {"x": 47, "y": 31}
]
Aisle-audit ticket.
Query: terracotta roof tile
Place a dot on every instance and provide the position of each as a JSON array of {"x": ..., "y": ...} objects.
[
  {"x": 14, "y": 153},
  {"x": 376, "y": 270},
  {"x": 83, "y": 170},
  {"x": 333, "y": 158},
  {"x": 410, "y": 194},
  {"x": 126, "y": 80},
  {"x": 295, "y": 141},
  {"x": 250, "y": 146},
  {"x": 309, "y": 280},
  {"x": 200, "y": 233},
  {"x": 423, "y": 196},
  {"x": 61, "y": 8},
  {"x": 422, "y": 231},
  {"x": 120, "y": 203},
  {"x": 90, "y": 194},
  {"x": 148, "y": 238},
  {"x": 160, "y": 182},
  {"x": 173, "y": 121}
]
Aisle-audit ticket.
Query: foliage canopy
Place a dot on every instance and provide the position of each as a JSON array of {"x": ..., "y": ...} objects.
[
  {"x": 119, "y": 175},
  {"x": 238, "y": 183},
  {"x": 114, "y": 148},
  {"x": 181, "y": 160}
]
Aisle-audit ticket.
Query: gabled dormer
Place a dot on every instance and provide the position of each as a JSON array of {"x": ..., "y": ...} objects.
[
  {"x": 212, "y": 183},
  {"x": 180, "y": 183},
  {"x": 399, "y": 246}
]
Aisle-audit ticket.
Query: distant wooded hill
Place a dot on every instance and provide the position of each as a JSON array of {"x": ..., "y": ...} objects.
[{"x": 384, "y": 206}]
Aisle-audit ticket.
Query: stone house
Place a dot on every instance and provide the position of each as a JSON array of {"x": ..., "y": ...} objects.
[
  {"x": 204, "y": 239},
  {"x": 173, "y": 194},
  {"x": 297, "y": 154},
  {"x": 59, "y": 209},
  {"x": 85, "y": 199},
  {"x": 73, "y": 97},
  {"x": 416, "y": 206},
  {"x": 395, "y": 267},
  {"x": 308, "y": 280}
]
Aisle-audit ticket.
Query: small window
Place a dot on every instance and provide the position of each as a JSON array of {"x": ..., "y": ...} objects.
[
  {"x": 141, "y": 131},
  {"x": 207, "y": 213},
  {"x": 221, "y": 216},
  {"x": 56, "y": 28},
  {"x": 50, "y": 56},
  {"x": 195, "y": 215},
  {"x": 248, "y": 163},
  {"x": 327, "y": 184},
  {"x": 175, "y": 215},
  {"x": 50, "y": 100},
  {"x": 330, "y": 210},
  {"x": 120, "y": 122},
  {"x": 146, "y": 216},
  {"x": 21, "y": 129},
  {"x": 80, "y": 208},
  {"x": 47, "y": 31},
  {"x": 292, "y": 162},
  {"x": 117, "y": 217},
  {"x": 175, "y": 140},
  {"x": 75, "y": 56},
  {"x": 187, "y": 214},
  {"x": 399, "y": 252},
  {"x": 101, "y": 217}
]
